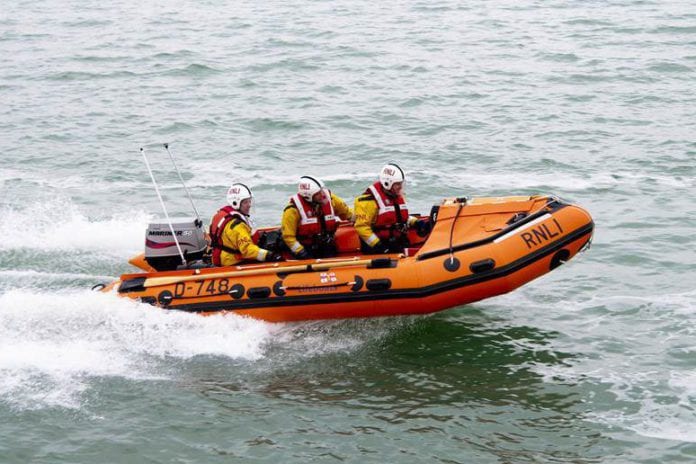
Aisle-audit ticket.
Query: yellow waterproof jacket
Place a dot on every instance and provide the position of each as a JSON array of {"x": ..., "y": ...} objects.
[
  {"x": 366, "y": 209},
  {"x": 237, "y": 235},
  {"x": 291, "y": 221}
]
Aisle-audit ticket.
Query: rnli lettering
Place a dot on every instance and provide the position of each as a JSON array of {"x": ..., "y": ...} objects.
[{"x": 541, "y": 234}]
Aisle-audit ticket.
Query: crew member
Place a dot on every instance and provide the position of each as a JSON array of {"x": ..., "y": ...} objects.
[
  {"x": 311, "y": 218},
  {"x": 230, "y": 231},
  {"x": 381, "y": 214}
]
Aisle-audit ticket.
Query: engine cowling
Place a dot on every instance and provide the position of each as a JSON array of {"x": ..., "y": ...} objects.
[{"x": 160, "y": 248}]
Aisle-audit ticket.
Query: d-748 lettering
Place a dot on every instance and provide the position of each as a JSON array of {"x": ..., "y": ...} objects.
[{"x": 203, "y": 287}]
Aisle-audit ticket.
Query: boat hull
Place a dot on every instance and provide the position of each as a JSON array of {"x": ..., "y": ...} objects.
[{"x": 476, "y": 250}]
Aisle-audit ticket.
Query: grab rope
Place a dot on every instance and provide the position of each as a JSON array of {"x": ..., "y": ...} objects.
[{"x": 451, "y": 249}]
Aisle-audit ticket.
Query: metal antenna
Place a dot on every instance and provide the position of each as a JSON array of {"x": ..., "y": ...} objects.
[
  {"x": 164, "y": 208},
  {"x": 198, "y": 216}
]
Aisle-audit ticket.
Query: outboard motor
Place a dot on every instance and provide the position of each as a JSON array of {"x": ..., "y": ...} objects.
[{"x": 160, "y": 248}]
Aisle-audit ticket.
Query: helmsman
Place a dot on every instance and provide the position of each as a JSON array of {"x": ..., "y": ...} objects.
[{"x": 231, "y": 230}]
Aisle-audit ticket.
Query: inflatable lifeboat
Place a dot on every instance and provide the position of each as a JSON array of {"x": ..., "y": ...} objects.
[{"x": 477, "y": 249}]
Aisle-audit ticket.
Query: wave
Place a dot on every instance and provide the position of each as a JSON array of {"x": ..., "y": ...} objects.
[
  {"x": 86, "y": 76},
  {"x": 192, "y": 70},
  {"x": 669, "y": 67}
]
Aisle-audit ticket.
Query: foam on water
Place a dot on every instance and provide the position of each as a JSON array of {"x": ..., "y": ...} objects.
[
  {"x": 569, "y": 182},
  {"x": 206, "y": 175},
  {"x": 34, "y": 275},
  {"x": 58, "y": 224},
  {"x": 52, "y": 344},
  {"x": 663, "y": 403},
  {"x": 659, "y": 396},
  {"x": 665, "y": 396}
]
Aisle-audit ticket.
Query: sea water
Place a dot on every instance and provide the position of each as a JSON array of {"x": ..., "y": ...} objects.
[{"x": 592, "y": 101}]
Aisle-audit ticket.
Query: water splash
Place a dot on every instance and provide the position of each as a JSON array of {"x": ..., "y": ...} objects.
[
  {"x": 52, "y": 344},
  {"x": 58, "y": 224}
]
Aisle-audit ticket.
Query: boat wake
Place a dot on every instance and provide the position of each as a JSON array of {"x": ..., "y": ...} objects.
[
  {"x": 54, "y": 346},
  {"x": 58, "y": 338}
]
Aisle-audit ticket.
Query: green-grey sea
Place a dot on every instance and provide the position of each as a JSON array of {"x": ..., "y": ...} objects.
[{"x": 593, "y": 101}]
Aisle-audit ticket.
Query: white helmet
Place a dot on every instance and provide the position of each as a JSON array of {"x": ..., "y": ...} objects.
[
  {"x": 236, "y": 194},
  {"x": 309, "y": 186},
  {"x": 390, "y": 175}
]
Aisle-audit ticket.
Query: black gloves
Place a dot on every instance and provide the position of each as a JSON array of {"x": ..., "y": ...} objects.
[
  {"x": 380, "y": 248},
  {"x": 303, "y": 255},
  {"x": 326, "y": 239},
  {"x": 274, "y": 257},
  {"x": 423, "y": 227}
]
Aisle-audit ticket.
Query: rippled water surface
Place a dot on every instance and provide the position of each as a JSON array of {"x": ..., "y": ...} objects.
[{"x": 593, "y": 101}]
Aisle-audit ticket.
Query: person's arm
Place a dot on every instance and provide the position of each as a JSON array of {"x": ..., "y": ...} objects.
[
  {"x": 341, "y": 209},
  {"x": 241, "y": 236},
  {"x": 365, "y": 212},
  {"x": 288, "y": 227}
]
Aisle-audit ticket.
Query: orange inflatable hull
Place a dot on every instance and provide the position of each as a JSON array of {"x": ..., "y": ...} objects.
[{"x": 477, "y": 249}]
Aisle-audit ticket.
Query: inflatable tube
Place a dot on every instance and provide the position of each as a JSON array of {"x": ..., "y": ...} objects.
[{"x": 477, "y": 249}]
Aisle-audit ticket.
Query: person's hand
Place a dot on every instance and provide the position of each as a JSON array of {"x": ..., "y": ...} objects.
[
  {"x": 274, "y": 257},
  {"x": 381, "y": 248},
  {"x": 303, "y": 255},
  {"x": 423, "y": 227}
]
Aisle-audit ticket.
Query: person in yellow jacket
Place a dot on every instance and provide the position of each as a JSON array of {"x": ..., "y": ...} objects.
[
  {"x": 381, "y": 214},
  {"x": 230, "y": 231},
  {"x": 311, "y": 219}
]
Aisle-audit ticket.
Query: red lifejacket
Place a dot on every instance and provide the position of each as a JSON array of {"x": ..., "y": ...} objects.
[
  {"x": 312, "y": 225},
  {"x": 392, "y": 213},
  {"x": 217, "y": 227}
]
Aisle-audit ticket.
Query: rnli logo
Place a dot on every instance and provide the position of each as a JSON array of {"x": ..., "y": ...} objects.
[
  {"x": 304, "y": 186},
  {"x": 327, "y": 277},
  {"x": 388, "y": 171},
  {"x": 235, "y": 190},
  {"x": 541, "y": 234}
]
